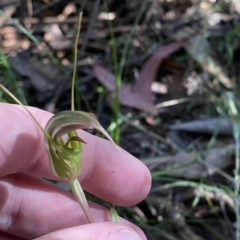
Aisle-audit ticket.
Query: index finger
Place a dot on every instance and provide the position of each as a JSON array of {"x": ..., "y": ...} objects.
[{"x": 118, "y": 178}]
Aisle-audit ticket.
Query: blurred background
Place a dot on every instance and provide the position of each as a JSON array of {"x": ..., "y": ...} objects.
[{"x": 163, "y": 78}]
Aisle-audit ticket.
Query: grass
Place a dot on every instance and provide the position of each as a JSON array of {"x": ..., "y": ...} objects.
[
  {"x": 119, "y": 67},
  {"x": 11, "y": 81}
]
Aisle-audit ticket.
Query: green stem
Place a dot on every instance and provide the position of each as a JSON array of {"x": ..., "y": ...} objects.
[
  {"x": 81, "y": 198},
  {"x": 114, "y": 214},
  {"x": 130, "y": 37},
  {"x": 236, "y": 176},
  {"x": 118, "y": 77},
  {"x": 75, "y": 60}
]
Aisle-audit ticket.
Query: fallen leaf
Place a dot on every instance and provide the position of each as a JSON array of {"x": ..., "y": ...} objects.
[
  {"x": 149, "y": 70},
  {"x": 105, "y": 77},
  {"x": 139, "y": 94},
  {"x": 126, "y": 96}
]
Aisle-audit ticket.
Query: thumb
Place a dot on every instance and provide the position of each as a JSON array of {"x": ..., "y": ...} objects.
[{"x": 96, "y": 231}]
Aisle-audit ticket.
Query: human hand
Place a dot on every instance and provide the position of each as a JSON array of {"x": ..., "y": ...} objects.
[{"x": 32, "y": 208}]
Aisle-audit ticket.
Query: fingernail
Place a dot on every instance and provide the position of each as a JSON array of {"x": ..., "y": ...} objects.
[{"x": 124, "y": 236}]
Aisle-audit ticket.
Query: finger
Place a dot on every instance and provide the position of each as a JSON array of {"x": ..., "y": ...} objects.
[
  {"x": 31, "y": 207},
  {"x": 6, "y": 236},
  {"x": 118, "y": 178},
  {"x": 97, "y": 231}
]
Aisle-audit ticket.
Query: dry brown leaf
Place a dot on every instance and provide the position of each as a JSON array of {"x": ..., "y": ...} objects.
[
  {"x": 105, "y": 77},
  {"x": 126, "y": 96},
  {"x": 139, "y": 95},
  {"x": 149, "y": 70}
]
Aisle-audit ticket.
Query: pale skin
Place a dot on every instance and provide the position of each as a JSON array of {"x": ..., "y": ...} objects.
[{"x": 32, "y": 208}]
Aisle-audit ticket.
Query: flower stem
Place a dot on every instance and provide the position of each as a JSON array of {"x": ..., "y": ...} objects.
[{"x": 81, "y": 198}]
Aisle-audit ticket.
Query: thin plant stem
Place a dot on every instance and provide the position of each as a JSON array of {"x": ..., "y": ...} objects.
[
  {"x": 130, "y": 37},
  {"x": 236, "y": 134},
  {"x": 78, "y": 93},
  {"x": 118, "y": 77},
  {"x": 118, "y": 67},
  {"x": 75, "y": 60},
  {"x": 114, "y": 214},
  {"x": 81, "y": 198},
  {"x": 230, "y": 101}
]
